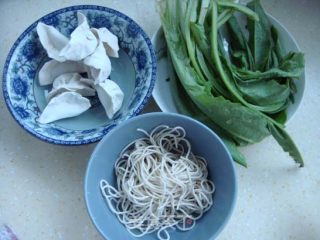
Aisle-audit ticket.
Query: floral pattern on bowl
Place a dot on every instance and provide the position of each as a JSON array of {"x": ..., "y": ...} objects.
[{"x": 20, "y": 87}]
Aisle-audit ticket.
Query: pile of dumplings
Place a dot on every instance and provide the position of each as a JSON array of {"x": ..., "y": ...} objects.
[{"x": 86, "y": 52}]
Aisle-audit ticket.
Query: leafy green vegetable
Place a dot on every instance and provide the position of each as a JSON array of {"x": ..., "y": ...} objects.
[
  {"x": 185, "y": 106},
  {"x": 286, "y": 143},
  {"x": 224, "y": 17},
  {"x": 238, "y": 41},
  {"x": 278, "y": 49},
  {"x": 235, "y": 153},
  {"x": 239, "y": 87},
  {"x": 292, "y": 66},
  {"x": 259, "y": 35},
  {"x": 199, "y": 35},
  {"x": 227, "y": 78},
  {"x": 233, "y": 117},
  {"x": 280, "y": 117},
  {"x": 274, "y": 60},
  {"x": 239, "y": 44},
  {"x": 231, "y": 5},
  {"x": 265, "y": 92},
  {"x": 202, "y": 42}
]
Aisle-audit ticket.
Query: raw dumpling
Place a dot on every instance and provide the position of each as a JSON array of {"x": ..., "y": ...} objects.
[
  {"x": 70, "y": 82},
  {"x": 52, "y": 41},
  {"x": 87, "y": 81},
  {"x": 99, "y": 64},
  {"x": 82, "y": 42},
  {"x": 111, "y": 96},
  {"x": 109, "y": 40},
  {"x": 52, "y": 69},
  {"x": 65, "y": 105}
]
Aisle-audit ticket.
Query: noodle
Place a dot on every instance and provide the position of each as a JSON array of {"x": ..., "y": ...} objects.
[{"x": 161, "y": 184}]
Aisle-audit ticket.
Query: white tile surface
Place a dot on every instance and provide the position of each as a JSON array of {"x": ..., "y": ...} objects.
[{"x": 41, "y": 185}]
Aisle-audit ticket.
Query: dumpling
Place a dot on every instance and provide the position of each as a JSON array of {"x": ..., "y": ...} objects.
[
  {"x": 87, "y": 51},
  {"x": 70, "y": 82},
  {"x": 52, "y": 40},
  {"x": 52, "y": 69},
  {"x": 109, "y": 40},
  {"x": 82, "y": 41},
  {"x": 87, "y": 81},
  {"x": 65, "y": 105},
  {"x": 110, "y": 96},
  {"x": 99, "y": 64}
]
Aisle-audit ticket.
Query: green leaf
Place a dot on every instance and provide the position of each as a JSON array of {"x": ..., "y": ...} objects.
[
  {"x": 239, "y": 58},
  {"x": 200, "y": 37},
  {"x": 215, "y": 42},
  {"x": 269, "y": 61},
  {"x": 240, "y": 8},
  {"x": 265, "y": 92},
  {"x": 286, "y": 143},
  {"x": 237, "y": 39},
  {"x": 280, "y": 117},
  {"x": 205, "y": 4},
  {"x": 186, "y": 106},
  {"x": 235, "y": 153},
  {"x": 225, "y": 16},
  {"x": 217, "y": 89},
  {"x": 186, "y": 10},
  {"x": 275, "y": 59},
  {"x": 279, "y": 50},
  {"x": 293, "y": 63},
  {"x": 292, "y": 66},
  {"x": 259, "y": 35},
  {"x": 293, "y": 89},
  {"x": 239, "y": 43}
]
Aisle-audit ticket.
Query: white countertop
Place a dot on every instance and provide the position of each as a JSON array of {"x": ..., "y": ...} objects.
[{"x": 41, "y": 185}]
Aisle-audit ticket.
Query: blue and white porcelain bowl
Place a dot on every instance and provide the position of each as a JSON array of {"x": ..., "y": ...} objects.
[{"x": 134, "y": 71}]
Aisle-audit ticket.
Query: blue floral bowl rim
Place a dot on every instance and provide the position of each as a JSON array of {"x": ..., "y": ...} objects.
[{"x": 56, "y": 12}]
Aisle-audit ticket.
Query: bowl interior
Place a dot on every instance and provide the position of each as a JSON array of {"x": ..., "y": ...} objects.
[
  {"x": 204, "y": 142},
  {"x": 134, "y": 71},
  {"x": 96, "y": 116},
  {"x": 164, "y": 89}
]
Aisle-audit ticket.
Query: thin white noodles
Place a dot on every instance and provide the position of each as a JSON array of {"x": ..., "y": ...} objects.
[{"x": 161, "y": 184}]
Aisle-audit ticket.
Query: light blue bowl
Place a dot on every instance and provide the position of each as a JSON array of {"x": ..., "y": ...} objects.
[
  {"x": 134, "y": 71},
  {"x": 204, "y": 142}
]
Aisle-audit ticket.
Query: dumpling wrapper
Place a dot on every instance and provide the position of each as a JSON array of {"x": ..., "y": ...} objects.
[
  {"x": 52, "y": 69},
  {"x": 52, "y": 40},
  {"x": 65, "y": 105},
  {"x": 110, "y": 96},
  {"x": 87, "y": 81},
  {"x": 82, "y": 41},
  {"x": 99, "y": 64},
  {"x": 109, "y": 40},
  {"x": 70, "y": 82}
]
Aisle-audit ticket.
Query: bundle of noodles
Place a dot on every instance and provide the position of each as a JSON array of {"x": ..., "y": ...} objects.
[{"x": 161, "y": 184}]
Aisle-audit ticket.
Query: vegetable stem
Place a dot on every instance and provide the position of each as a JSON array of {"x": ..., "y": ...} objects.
[
  {"x": 224, "y": 17},
  {"x": 185, "y": 28},
  {"x": 215, "y": 53},
  {"x": 251, "y": 14},
  {"x": 203, "y": 12}
]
